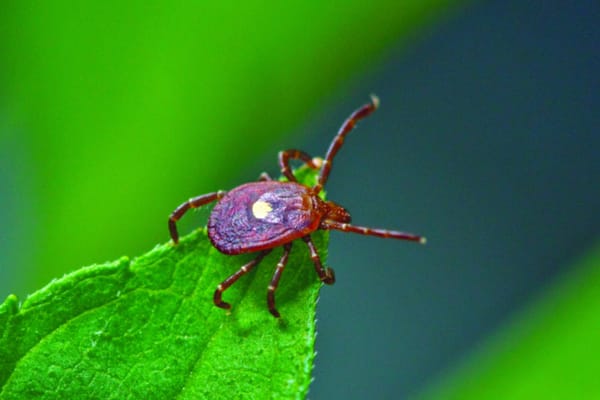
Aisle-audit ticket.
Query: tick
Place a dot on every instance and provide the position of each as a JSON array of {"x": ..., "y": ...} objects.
[{"x": 259, "y": 216}]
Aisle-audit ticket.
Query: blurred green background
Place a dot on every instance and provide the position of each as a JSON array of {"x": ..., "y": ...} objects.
[{"x": 112, "y": 114}]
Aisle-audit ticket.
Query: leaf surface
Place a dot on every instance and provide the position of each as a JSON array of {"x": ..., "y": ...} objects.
[{"x": 147, "y": 328}]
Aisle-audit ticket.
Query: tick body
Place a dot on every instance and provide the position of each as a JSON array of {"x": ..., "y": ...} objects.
[
  {"x": 262, "y": 215},
  {"x": 259, "y": 216}
]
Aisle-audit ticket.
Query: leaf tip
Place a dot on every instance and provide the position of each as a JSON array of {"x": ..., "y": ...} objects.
[
  {"x": 123, "y": 262},
  {"x": 11, "y": 304}
]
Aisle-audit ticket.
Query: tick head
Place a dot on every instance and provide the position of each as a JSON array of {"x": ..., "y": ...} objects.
[{"x": 337, "y": 213}]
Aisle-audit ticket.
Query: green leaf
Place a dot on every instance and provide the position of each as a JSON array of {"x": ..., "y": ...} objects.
[
  {"x": 550, "y": 351},
  {"x": 147, "y": 328}
]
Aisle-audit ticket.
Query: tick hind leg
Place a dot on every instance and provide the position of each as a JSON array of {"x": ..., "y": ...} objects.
[
  {"x": 275, "y": 280},
  {"x": 233, "y": 278},
  {"x": 326, "y": 275},
  {"x": 183, "y": 208},
  {"x": 293, "y": 154}
]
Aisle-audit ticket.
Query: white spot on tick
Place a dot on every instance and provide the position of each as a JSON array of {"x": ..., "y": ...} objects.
[{"x": 260, "y": 209}]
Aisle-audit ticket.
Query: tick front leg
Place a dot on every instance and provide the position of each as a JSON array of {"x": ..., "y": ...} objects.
[
  {"x": 275, "y": 280},
  {"x": 326, "y": 275},
  {"x": 363, "y": 230},
  {"x": 293, "y": 154},
  {"x": 338, "y": 140},
  {"x": 233, "y": 278},
  {"x": 183, "y": 208}
]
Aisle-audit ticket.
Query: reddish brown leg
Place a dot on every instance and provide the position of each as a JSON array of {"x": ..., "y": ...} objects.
[
  {"x": 293, "y": 154},
  {"x": 183, "y": 208},
  {"x": 233, "y": 278},
  {"x": 383, "y": 233},
  {"x": 326, "y": 275},
  {"x": 337, "y": 142},
  {"x": 275, "y": 280}
]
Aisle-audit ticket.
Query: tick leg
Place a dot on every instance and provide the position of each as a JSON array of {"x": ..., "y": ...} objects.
[
  {"x": 293, "y": 154},
  {"x": 337, "y": 142},
  {"x": 326, "y": 275},
  {"x": 183, "y": 208},
  {"x": 275, "y": 280},
  {"x": 233, "y": 278},
  {"x": 382, "y": 233},
  {"x": 264, "y": 177}
]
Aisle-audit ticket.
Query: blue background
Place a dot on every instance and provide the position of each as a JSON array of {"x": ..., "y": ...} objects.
[{"x": 486, "y": 142}]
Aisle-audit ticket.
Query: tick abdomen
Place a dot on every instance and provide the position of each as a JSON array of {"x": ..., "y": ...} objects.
[{"x": 260, "y": 215}]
